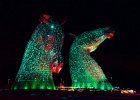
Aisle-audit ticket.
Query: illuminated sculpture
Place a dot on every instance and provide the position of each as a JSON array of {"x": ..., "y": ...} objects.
[
  {"x": 84, "y": 70},
  {"x": 42, "y": 56}
]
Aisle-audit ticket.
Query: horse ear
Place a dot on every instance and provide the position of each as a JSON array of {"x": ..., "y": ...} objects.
[
  {"x": 44, "y": 18},
  {"x": 72, "y": 35}
]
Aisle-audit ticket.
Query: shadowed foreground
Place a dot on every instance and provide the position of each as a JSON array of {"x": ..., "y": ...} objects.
[{"x": 65, "y": 95}]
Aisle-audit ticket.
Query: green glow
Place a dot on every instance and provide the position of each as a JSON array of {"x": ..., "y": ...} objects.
[
  {"x": 83, "y": 85},
  {"x": 42, "y": 50},
  {"x": 15, "y": 87},
  {"x": 42, "y": 86},
  {"x": 95, "y": 85},
  {"x": 102, "y": 87},
  {"x": 85, "y": 71},
  {"x": 26, "y": 86},
  {"x": 52, "y": 26},
  {"x": 34, "y": 84},
  {"x": 49, "y": 88}
]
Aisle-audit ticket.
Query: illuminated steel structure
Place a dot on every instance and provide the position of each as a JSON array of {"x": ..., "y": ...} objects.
[
  {"x": 84, "y": 70},
  {"x": 42, "y": 56}
]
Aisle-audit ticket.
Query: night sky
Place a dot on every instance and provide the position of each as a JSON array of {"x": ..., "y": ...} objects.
[{"x": 119, "y": 57}]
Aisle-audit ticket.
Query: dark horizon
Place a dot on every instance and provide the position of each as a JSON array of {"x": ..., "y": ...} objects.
[{"x": 118, "y": 57}]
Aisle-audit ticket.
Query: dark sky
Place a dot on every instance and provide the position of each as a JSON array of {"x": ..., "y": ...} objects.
[{"x": 119, "y": 57}]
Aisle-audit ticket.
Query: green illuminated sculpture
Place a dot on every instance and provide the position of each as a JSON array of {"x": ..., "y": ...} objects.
[
  {"x": 42, "y": 57},
  {"x": 84, "y": 70}
]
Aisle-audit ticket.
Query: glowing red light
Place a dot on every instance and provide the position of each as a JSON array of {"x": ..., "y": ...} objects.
[
  {"x": 48, "y": 47},
  {"x": 56, "y": 67},
  {"x": 51, "y": 37},
  {"x": 44, "y": 18},
  {"x": 110, "y": 35}
]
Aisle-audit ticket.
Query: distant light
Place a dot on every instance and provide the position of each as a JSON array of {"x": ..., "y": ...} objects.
[{"x": 128, "y": 92}]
